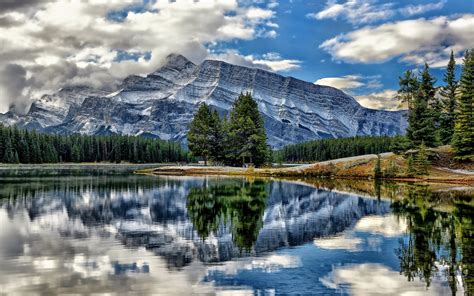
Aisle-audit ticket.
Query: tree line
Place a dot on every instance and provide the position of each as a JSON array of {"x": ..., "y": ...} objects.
[
  {"x": 327, "y": 149},
  {"x": 235, "y": 140},
  {"x": 24, "y": 146},
  {"x": 444, "y": 117}
]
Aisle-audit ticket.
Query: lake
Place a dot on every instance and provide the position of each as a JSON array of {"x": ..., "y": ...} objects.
[{"x": 130, "y": 234}]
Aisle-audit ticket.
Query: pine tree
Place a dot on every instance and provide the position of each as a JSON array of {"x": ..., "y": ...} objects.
[
  {"x": 421, "y": 127},
  {"x": 411, "y": 171},
  {"x": 216, "y": 137},
  {"x": 246, "y": 133},
  {"x": 199, "y": 133},
  {"x": 9, "y": 155},
  {"x": 463, "y": 138},
  {"x": 421, "y": 160},
  {"x": 408, "y": 88},
  {"x": 449, "y": 104}
]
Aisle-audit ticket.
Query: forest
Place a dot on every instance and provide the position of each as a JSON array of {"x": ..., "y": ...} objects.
[
  {"x": 24, "y": 146},
  {"x": 326, "y": 149}
]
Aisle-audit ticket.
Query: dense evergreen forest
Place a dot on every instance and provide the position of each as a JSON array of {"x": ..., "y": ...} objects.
[
  {"x": 441, "y": 117},
  {"x": 326, "y": 149},
  {"x": 435, "y": 117},
  {"x": 236, "y": 140},
  {"x": 23, "y": 146}
]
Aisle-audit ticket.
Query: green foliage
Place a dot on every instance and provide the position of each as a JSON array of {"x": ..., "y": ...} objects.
[
  {"x": 200, "y": 133},
  {"x": 463, "y": 138},
  {"x": 408, "y": 88},
  {"x": 421, "y": 116},
  {"x": 411, "y": 171},
  {"x": 246, "y": 138},
  {"x": 392, "y": 170},
  {"x": 448, "y": 113},
  {"x": 240, "y": 203},
  {"x": 435, "y": 236},
  {"x": 327, "y": 149},
  {"x": 32, "y": 147},
  {"x": 237, "y": 140},
  {"x": 421, "y": 162}
]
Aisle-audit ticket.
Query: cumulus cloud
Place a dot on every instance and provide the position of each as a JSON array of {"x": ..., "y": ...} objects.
[
  {"x": 411, "y": 10},
  {"x": 12, "y": 83},
  {"x": 358, "y": 12},
  {"x": 270, "y": 61},
  {"x": 98, "y": 43},
  {"x": 355, "y": 11},
  {"x": 347, "y": 82},
  {"x": 386, "y": 99},
  {"x": 377, "y": 279},
  {"x": 414, "y": 41}
]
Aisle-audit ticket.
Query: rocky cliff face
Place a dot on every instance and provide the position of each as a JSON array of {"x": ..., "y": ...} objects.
[{"x": 163, "y": 103}]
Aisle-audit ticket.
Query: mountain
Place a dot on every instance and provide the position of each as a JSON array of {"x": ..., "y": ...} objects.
[{"x": 163, "y": 103}]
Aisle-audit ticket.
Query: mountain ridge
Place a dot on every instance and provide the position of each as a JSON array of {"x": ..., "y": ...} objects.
[{"x": 163, "y": 102}]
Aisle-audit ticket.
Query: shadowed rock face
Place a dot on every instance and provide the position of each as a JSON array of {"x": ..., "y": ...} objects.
[
  {"x": 163, "y": 104},
  {"x": 157, "y": 215}
]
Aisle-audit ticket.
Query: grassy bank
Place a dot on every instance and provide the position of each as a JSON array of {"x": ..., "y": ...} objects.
[{"x": 393, "y": 167}]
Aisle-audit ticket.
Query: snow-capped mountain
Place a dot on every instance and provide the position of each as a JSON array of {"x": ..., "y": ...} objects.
[{"x": 162, "y": 104}]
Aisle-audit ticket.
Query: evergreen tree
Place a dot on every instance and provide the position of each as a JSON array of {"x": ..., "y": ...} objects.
[
  {"x": 421, "y": 127},
  {"x": 411, "y": 171},
  {"x": 408, "y": 88},
  {"x": 9, "y": 155},
  {"x": 449, "y": 104},
  {"x": 216, "y": 137},
  {"x": 246, "y": 134},
  {"x": 463, "y": 138},
  {"x": 421, "y": 162},
  {"x": 200, "y": 133}
]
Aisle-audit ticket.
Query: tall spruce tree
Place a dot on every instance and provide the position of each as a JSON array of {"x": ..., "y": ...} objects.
[
  {"x": 216, "y": 137},
  {"x": 421, "y": 126},
  {"x": 463, "y": 138},
  {"x": 408, "y": 87},
  {"x": 200, "y": 133},
  {"x": 246, "y": 133},
  {"x": 448, "y": 91}
]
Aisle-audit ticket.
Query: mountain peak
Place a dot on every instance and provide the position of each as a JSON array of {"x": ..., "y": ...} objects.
[{"x": 176, "y": 59}]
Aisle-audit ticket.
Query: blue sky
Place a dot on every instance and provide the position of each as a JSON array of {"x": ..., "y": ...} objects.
[
  {"x": 300, "y": 36},
  {"x": 360, "y": 46}
]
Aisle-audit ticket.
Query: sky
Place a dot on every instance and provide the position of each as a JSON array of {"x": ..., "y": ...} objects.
[{"x": 359, "y": 46}]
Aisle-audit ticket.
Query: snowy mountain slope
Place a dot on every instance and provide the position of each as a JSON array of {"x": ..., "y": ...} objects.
[{"x": 163, "y": 103}]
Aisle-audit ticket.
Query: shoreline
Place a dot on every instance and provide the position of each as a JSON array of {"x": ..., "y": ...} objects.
[{"x": 355, "y": 168}]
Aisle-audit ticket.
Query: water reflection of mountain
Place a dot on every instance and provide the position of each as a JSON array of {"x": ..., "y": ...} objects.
[{"x": 156, "y": 213}]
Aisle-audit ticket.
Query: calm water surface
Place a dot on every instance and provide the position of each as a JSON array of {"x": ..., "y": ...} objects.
[{"x": 181, "y": 235}]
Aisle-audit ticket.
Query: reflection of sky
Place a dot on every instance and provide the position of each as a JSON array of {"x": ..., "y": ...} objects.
[
  {"x": 55, "y": 252},
  {"x": 37, "y": 259},
  {"x": 360, "y": 261}
]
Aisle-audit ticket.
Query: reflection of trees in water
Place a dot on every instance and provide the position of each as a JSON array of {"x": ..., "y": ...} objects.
[
  {"x": 240, "y": 203},
  {"x": 436, "y": 237}
]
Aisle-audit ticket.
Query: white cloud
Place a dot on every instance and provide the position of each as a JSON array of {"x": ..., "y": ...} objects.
[
  {"x": 75, "y": 42},
  {"x": 388, "y": 226},
  {"x": 341, "y": 242},
  {"x": 385, "y": 99},
  {"x": 347, "y": 82},
  {"x": 411, "y": 10},
  {"x": 377, "y": 279},
  {"x": 350, "y": 82},
  {"x": 358, "y": 12},
  {"x": 355, "y": 11},
  {"x": 270, "y": 61},
  {"x": 415, "y": 41}
]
